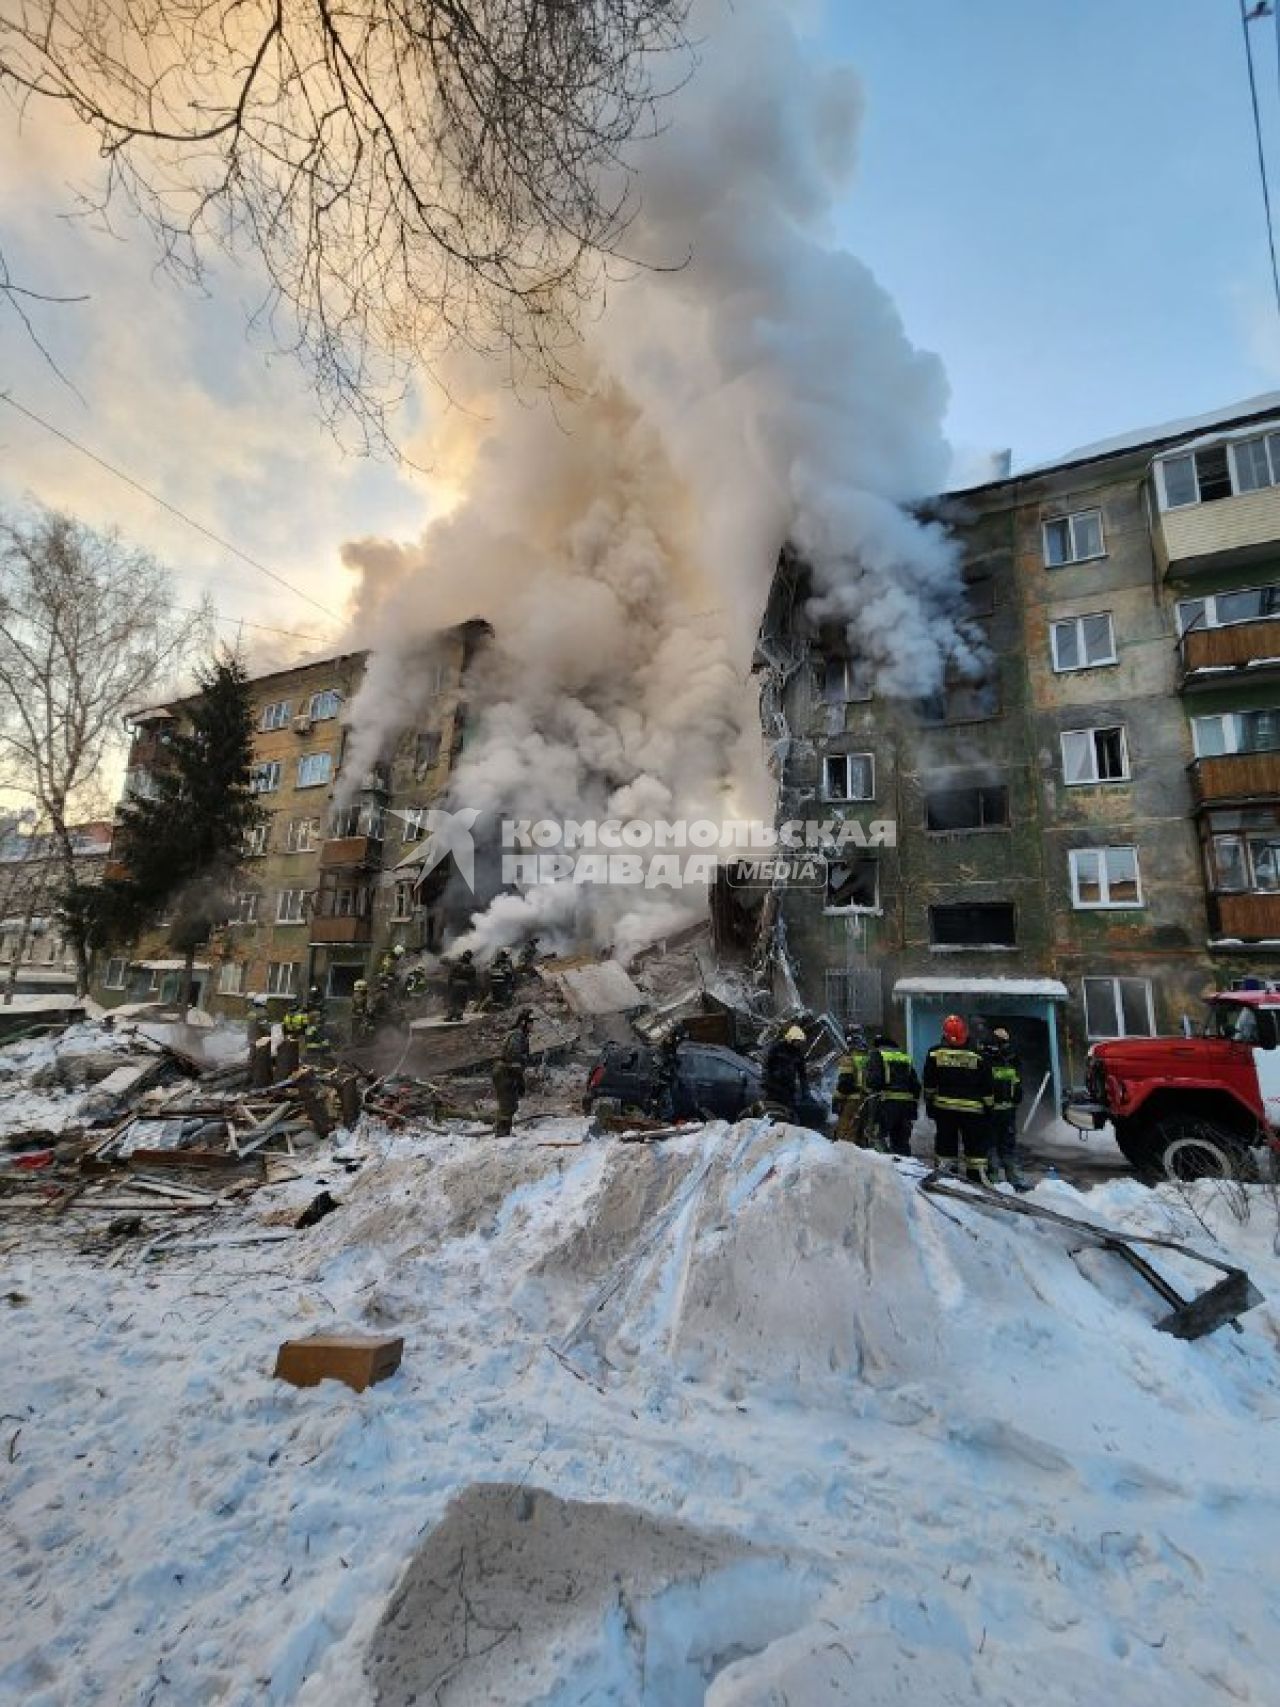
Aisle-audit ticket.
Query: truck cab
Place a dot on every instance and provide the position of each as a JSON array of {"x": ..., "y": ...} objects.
[{"x": 1187, "y": 1106}]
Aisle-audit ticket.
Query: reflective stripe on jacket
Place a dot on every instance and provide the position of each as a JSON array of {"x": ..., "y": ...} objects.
[
  {"x": 958, "y": 1081},
  {"x": 1008, "y": 1086},
  {"x": 891, "y": 1073}
]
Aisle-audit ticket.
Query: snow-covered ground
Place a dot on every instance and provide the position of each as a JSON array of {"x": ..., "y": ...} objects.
[{"x": 872, "y": 1448}]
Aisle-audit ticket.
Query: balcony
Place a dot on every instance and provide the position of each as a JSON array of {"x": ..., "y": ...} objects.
[
  {"x": 1215, "y": 657},
  {"x": 1236, "y": 778},
  {"x": 350, "y": 929},
  {"x": 350, "y": 851},
  {"x": 1228, "y": 533},
  {"x": 1248, "y": 918}
]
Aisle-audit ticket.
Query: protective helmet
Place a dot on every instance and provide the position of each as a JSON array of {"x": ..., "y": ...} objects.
[
  {"x": 361, "y": 984},
  {"x": 314, "y": 990},
  {"x": 258, "y": 1001},
  {"x": 794, "y": 1034},
  {"x": 954, "y": 1030},
  {"x": 856, "y": 1035},
  {"x": 398, "y": 950},
  {"x": 1001, "y": 1035}
]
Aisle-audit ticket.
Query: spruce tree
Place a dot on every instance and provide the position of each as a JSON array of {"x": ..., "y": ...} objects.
[{"x": 183, "y": 845}]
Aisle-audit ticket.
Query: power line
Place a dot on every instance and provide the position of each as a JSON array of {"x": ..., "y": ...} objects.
[
  {"x": 164, "y": 504},
  {"x": 243, "y": 622},
  {"x": 1246, "y": 18}
]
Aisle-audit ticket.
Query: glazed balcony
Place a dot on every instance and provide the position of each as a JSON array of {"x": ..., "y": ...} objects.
[
  {"x": 1214, "y": 656},
  {"x": 1230, "y": 533},
  {"x": 1236, "y": 778},
  {"x": 341, "y": 851},
  {"x": 1246, "y": 918},
  {"x": 351, "y": 929}
]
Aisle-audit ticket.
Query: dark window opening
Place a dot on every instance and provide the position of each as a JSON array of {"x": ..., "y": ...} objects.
[
  {"x": 853, "y": 883},
  {"x": 1212, "y": 473},
  {"x": 981, "y": 925},
  {"x": 961, "y": 702},
  {"x": 980, "y": 596},
  {"x": 967, "y": 808},
  {"x": 342, "y": 980},
  {"x": 426, "y": 751}
]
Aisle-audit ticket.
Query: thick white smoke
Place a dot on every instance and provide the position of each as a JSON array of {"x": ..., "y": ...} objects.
[{"x": 622, "y": 541}]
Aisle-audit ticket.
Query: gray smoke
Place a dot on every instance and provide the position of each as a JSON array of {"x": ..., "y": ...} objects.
[{"x": 621, "y": 540}]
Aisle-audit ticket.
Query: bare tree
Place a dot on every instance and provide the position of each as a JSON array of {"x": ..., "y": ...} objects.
[
  {"x": 87, "y": 633},
  {"x": 414, "y": 174}
]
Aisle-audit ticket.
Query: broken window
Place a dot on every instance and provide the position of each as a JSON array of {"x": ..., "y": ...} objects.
[
  {"x": 981, "y": 924},
  {"x": 846, "y": 776},
  {"x": 845, "y": 681},
  {"x": 961, "y": 702},
  {"x": 1095, "y": 755},
  {"x": 1073, "y": 539},
  {"x": 1118, "y": 1007},
  {"x": 979, "y": 807},
  {"x": 1105, "y": 877},
  {"x": 1083, "y": 642},
  {"x": 853, "y": 884}
]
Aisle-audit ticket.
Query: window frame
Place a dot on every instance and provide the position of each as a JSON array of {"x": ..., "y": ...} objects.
[
  {"x": 980, "y": 789},
  {"x": 854, "y": 691},
  {"x": 1071, "y": 517},
  {"x": 294, "y": 833},
  {"x": 285, "y": 912},
  {"x": 1244, "y": 840},
  {"x": 267, "y": 776},
  {"x": 1060, "y": 669},
  {"x": 324, "y": 697},
  {"x": 257, "y": 841},
  {"x": 227, "y": 988},
  {"x": 848, "y": 799},
  {"x": 246, "y": 907},
  {"x": 936, "y": 947},
  {"x": 286, "y": 986},
  {"x": 1096, "y": 781},
  {"x": 122, "y": 983},
  {"x": 1268, "y": 435},
  {"x": 274, "y": 716},
  {"x": 403, "y": 886},
  {"x": 1105, "y": 904},
  {"x": 306, "y": 760},
  {"x": 1234, "y": 721},
  {"x": 412, "y": 825},
  {"x": 872, "y": 909},
  {"x": 1118, "y": 1001},
  {"x": 1211, "y": 619}
]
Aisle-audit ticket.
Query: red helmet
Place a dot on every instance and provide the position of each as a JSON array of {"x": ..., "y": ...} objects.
[{"x": 954, "y": 1030}]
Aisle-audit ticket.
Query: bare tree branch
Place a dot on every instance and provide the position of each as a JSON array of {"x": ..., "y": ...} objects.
[{"x": 414, "y": 174}]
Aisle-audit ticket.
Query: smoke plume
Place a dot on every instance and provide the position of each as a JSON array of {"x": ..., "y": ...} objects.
[{"x": 755, "y": 387}]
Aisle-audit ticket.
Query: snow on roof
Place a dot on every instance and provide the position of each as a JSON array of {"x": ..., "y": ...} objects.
[
  {"x": 1267, "y": 402},
  {"x": 1048, "y": 988}
]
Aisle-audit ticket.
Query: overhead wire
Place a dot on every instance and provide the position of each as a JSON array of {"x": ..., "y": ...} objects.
[
  {"x": 1246, "y": 18},
  {"x": 119, "y": 474}
]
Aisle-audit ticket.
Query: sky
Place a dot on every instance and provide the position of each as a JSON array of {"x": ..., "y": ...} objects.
[{"x": 1063, "y": 201}]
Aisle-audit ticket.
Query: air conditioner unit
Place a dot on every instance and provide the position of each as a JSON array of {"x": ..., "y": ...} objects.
[{"x": 302, "y": 724}]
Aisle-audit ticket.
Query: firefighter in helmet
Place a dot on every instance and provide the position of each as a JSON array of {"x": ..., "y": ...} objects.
[
  {"x": 786, "y": 1083},
  {"x": 851, "y": 1087},
  {"x": 958, "y": 1095},
  {"x": 893, "y": 1088},
  {"x": 509, "y": 1072}
]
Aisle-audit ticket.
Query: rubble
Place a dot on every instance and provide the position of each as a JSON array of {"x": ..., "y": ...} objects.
[{"x": 358, "y": 1360}]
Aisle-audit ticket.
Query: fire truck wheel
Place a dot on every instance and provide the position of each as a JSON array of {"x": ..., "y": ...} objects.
[{"x": 1190, "y": 1149}]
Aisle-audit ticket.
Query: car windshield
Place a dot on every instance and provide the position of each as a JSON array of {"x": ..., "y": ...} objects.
[{"x": 1235, "y": 1021}]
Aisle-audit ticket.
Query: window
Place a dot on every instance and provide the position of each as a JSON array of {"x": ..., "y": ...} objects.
[
  {"x": 1219, "y": 471},
  {"x": 402, "y": 910},
  {"x": 961, "y": 702},
  {"x": 342, "y": 980},
  {"x": 231, "y": 978},
  {"x": 849, "y": 776},
  {"x": 266, "y": 778},
  {"x": 845, "y": 681},
  {"x": 366, "y": 820},
  {"x": 275, "y": 715},
  {"x": 1105, "y": 877},
  {"x": 1095, "y": 755},
  {"x": 314, "y": 769},
  {"x": 325, "y": 704},
  {"x": 853, "y": 885},
  {"x": 1083, "y": 642},
  {"x": 301, "y": 835},
  {"x": 282, "y": 977},
  {"x": 1118, "y": 1007},
  {"x": 980, "y": 807},
  {"x": 1246, "y": 864},
  {"x": 255, "y": 841},
  {"x": 1236, "y": 732},
  {"x": 1221, "y": 610},
  {"x": 114, "y": 976},
  {"x": 291, "y": 906},
  {"x": 244, "y": 908},
  {"x": 983, "y": 924},
  {"x": 1073, "y": 539},
  {"x": 412, "y": 818},
  {"x": 980, "y": 596},
  {"x": 349, "y": 902},
  {"x": 426, "y": 751}
]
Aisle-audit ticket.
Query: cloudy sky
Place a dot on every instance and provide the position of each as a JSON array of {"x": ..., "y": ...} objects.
[{"x": 1063, "y": 200}]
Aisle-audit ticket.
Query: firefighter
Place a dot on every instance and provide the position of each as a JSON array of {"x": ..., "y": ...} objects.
[
  {"x": 502, "y": 980},
  {"x": 509, "y": 1072},
  {"x": 1006, "y": 1072},
  {"x": 259, "y": 1043},
  {"x": 461, "y": 984},
  {"x": 851, "y": 1087},
  {"x": 891, "y": 1079},
  {"x": 668, "y": 1071},
  {"x": 958, "y": 1093},
  {"x": 528, "y": 955},
  {"x": 786, "y": 1084},
  {"x": 361, "y": 1016}
]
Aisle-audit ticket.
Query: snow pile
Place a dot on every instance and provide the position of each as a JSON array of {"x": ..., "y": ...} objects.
[{"x": 741, "y": 1417}]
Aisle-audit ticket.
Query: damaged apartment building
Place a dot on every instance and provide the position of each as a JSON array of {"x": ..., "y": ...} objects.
[
  {"x": 327, "y": 887},
  {"x": 1089, "y": 839}
]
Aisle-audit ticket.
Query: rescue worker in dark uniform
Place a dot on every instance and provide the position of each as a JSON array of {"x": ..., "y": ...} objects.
[
  {"x": 461, "y": 984},
  {"x": 958, "y": 1093},
  {"x": 786, "y": 1084},
  {"x": 528, "y": 955},
  {"x": 668, "y": 1072},
  {"x": 509, "y": 1072},
  {"x": 502, "y": 980},
  {"x": 1006, "y": 1072},
  {"x": 891, "y": 1079},
  {"x": 361, "y": 1014},
  {"x": 851, "y": 1087}
]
